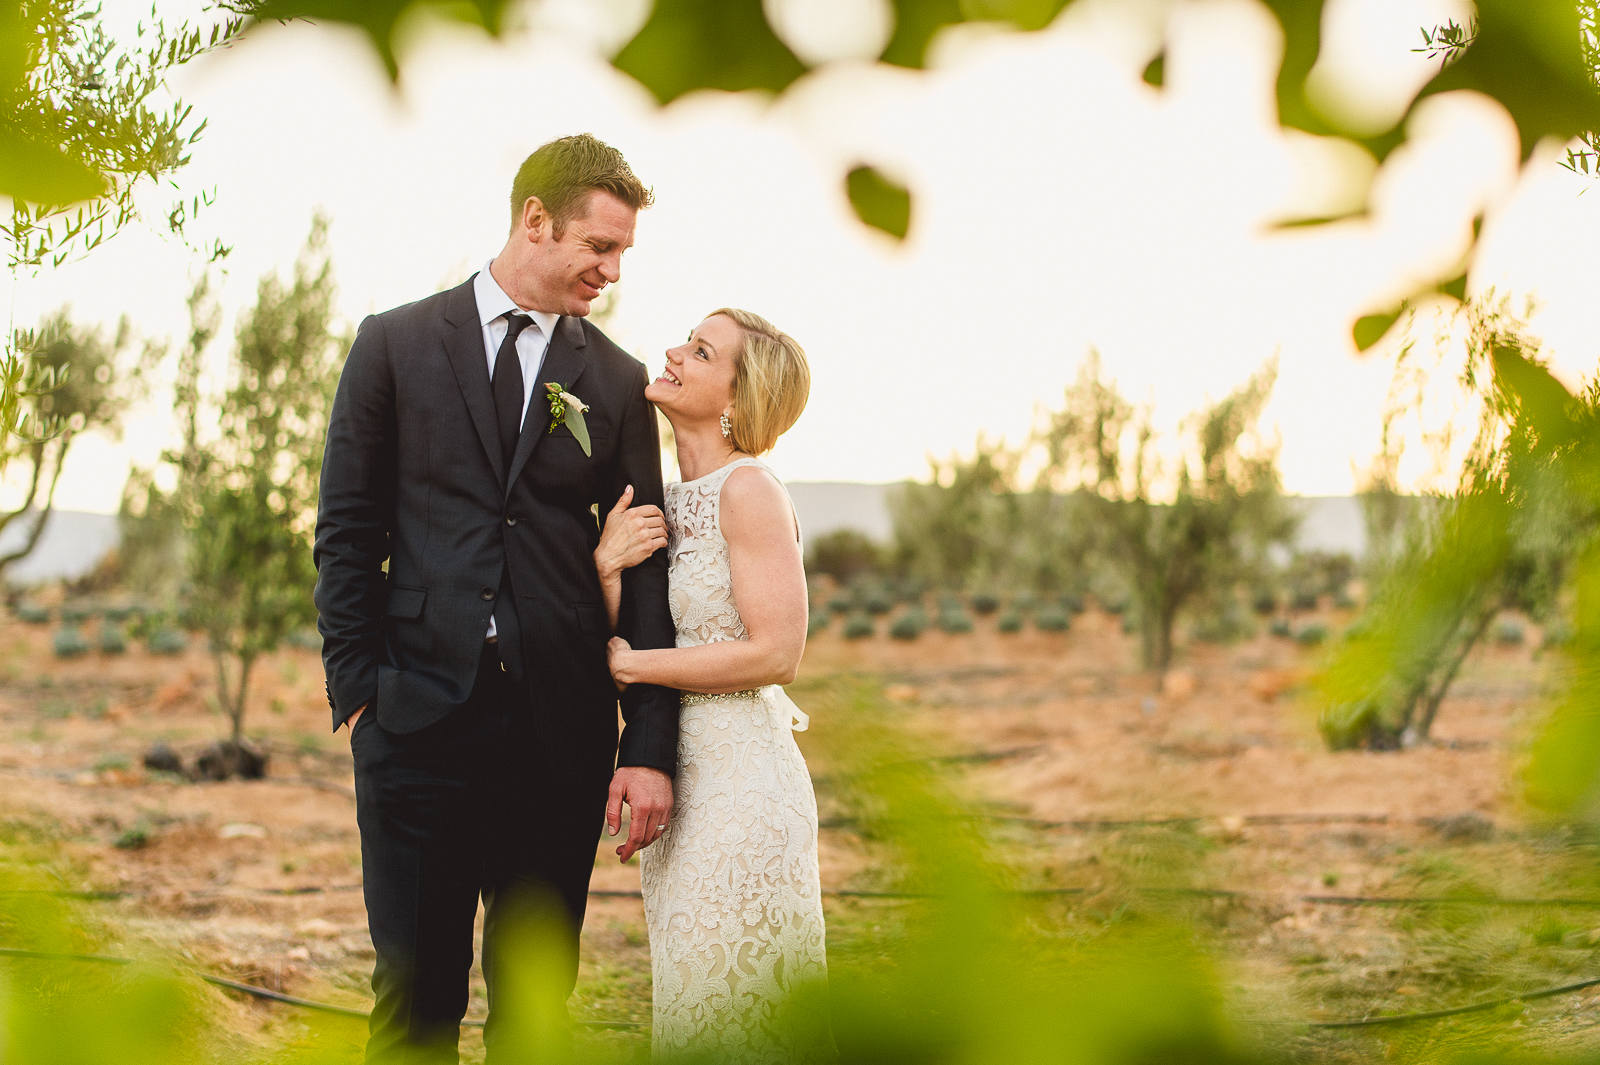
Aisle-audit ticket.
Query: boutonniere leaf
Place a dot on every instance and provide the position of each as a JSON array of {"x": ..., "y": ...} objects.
[{"x": 567, "y": 409}]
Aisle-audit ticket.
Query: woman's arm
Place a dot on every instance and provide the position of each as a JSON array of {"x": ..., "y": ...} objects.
[
  {"x": 769, "y": 590},
  {"x": 627, "y": 539}
]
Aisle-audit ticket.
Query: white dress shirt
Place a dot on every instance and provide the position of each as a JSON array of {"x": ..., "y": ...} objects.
[{"x": 493, "y": 303}]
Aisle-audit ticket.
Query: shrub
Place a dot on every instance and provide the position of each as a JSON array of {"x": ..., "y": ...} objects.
[
  {"x": 858, "y": 626},
  {"x": 875, "y": 599},
  {"x": 1558, "y": 633},
  {"x": 33, "y": 614},
  {"x": 955, "y": 621},
  {"x": 1116, "y": 605},
  {"x": 165, "y": 640},
  {"x": 909, "y": 625},
  {"x": 1010, "y": 621},
  {"x": 1025, "y": 603},
  {"x": 1280, "y": 628},
  {"x": 1264, "y": 601},
  {"x": 1303, "y": 600},
  {"x": 1312, "y": 635},
  {"x": 1073, "y": 603},
  {"x": 1051, "y": 619},
  {"x": 985, "y": 603},
  {"x": 816, "y": 621},
  {"x": 839, "y": 604},
  {"x": 112, "y": 639},
  {"x": 1510, "y": 633},
  {"x": 306, "y": 639},
  {"x": 69, "y": 642},
  {"x": 76, "y": 613},
  {"x": 119, "y": 613}
]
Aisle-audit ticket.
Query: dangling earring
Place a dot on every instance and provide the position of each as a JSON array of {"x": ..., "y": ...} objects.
[{"x": 727, "y": 426}]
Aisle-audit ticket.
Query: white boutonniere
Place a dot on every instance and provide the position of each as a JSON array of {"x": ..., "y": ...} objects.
[{"x": 567, "y": 409}]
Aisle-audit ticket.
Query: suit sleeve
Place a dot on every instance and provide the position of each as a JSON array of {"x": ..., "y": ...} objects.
[
  {"x": 355, "y": 512},
  {"x": 649, "y": 712}
]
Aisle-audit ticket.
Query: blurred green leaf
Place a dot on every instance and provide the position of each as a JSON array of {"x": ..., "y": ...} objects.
[
  {"x": 1023, "y": 14},
  {"x": 1529, "y": 56},
  {"x": 915, "y": 24},
  {"x": 707, "y": 44},
  {"x": 879, "y": 202},
  {"x": 377, "y": 19},
  {"x": 43, "y": 174},
  {"x": 1370, "y": 328},
  {"x": 1538, "y": 401},
  {"x": 1155, "y": 72},
  {"x": 1457, "y": 286}
]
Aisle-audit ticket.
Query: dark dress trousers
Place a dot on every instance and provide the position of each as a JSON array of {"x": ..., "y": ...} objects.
[{"x": 481, "y": 770}]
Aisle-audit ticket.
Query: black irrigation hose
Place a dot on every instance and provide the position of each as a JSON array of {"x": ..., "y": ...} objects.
[
  {"x": 1476, "y": 1007},
  {"x": 266, "y": 992},
  {"x": 350, "y": 1011}
]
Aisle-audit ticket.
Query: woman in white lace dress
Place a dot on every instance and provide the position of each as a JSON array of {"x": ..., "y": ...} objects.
[{"x": 731, "y": 889}]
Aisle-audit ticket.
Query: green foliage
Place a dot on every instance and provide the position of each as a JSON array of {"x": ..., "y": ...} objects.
[
  {"x": 955, "y": 622},
  {"x": 33, "y": 614},
  {"x": 858, "y": 626},
  {"x": 1314, "y": 634},
  {"x": 246, "y": 492},
  {"x": 85, "y": 124},
  {"x": 873, "y": 597},
  {"x": 112, "y": 640},
  {"x": 1280, "y": 628},
  {"x": 912, "y": 623},
  {"x": 1225, "y": 514},
  {"x": 845, "y": 555},
  {"x": 1009, "y": 622},
  {"x": 75, "y": 613},
  {"x": 1517, "y": 532},
  {"x": 91, "y": 384},
  {"x": 69, "y": 642},
  {"x": 1051, "y": 618},
  {"x": 984, "y": 603},
  {"x": 879, "y": 202},
  {"x": 165, "y": 640}
]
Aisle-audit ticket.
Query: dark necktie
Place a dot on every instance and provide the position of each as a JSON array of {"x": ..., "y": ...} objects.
[{"x": 507, "y": 383}]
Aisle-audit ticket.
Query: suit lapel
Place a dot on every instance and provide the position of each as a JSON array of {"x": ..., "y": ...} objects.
[
  {"x": 463, "y": 345},
  {"x": 563, "y": 362}
]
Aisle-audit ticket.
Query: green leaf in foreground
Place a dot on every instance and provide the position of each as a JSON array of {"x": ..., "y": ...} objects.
[{"x": 879, "y": 202}]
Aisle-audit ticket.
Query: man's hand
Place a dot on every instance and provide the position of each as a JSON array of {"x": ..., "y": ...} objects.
[
  {"x": 648, "y": 793},
  {"x": 350, "y": 722}
]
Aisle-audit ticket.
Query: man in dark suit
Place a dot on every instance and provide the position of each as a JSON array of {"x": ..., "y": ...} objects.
[{"x": 463, "y": 625}]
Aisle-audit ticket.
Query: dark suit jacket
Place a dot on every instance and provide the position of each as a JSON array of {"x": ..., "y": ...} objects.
[{"x": 412, "y": 475}]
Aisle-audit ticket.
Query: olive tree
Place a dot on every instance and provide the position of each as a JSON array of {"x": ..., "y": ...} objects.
[{"x": 247, "y": 470}]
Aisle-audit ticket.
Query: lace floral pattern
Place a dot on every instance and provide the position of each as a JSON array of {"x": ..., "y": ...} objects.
[{"x": 732, "y": 894}]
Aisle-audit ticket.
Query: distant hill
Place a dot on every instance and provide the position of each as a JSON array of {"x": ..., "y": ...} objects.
[
  {"x": 73, "y": 543},
  {"x": 74, "y": 540}
]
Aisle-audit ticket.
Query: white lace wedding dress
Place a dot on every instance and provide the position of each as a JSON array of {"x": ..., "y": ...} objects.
[{"x": 732, "y": 895}]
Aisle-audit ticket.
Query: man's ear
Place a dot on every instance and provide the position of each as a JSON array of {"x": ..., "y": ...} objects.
[{"x": 535, "y": 219}]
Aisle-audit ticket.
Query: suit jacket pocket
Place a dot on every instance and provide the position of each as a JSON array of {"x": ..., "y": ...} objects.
[{"x": 405, "y": 601}]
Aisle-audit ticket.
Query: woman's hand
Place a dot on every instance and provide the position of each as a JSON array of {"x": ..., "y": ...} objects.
[
  {"x": 617, "y": 652},
  {"x": 629, "y": 537}
]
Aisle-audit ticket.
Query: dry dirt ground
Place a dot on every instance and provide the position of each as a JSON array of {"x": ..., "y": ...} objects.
[{"x": 1073, "y": 758}]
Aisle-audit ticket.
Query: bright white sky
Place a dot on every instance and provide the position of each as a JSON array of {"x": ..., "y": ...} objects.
[{"x": 1060, "y": 204}]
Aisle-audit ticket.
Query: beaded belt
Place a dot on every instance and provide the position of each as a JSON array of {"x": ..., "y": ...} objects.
[{"x": 693, "y": 698}]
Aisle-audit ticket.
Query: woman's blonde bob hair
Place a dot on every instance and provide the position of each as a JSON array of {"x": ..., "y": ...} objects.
[{"x": 771, "y": 382}]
